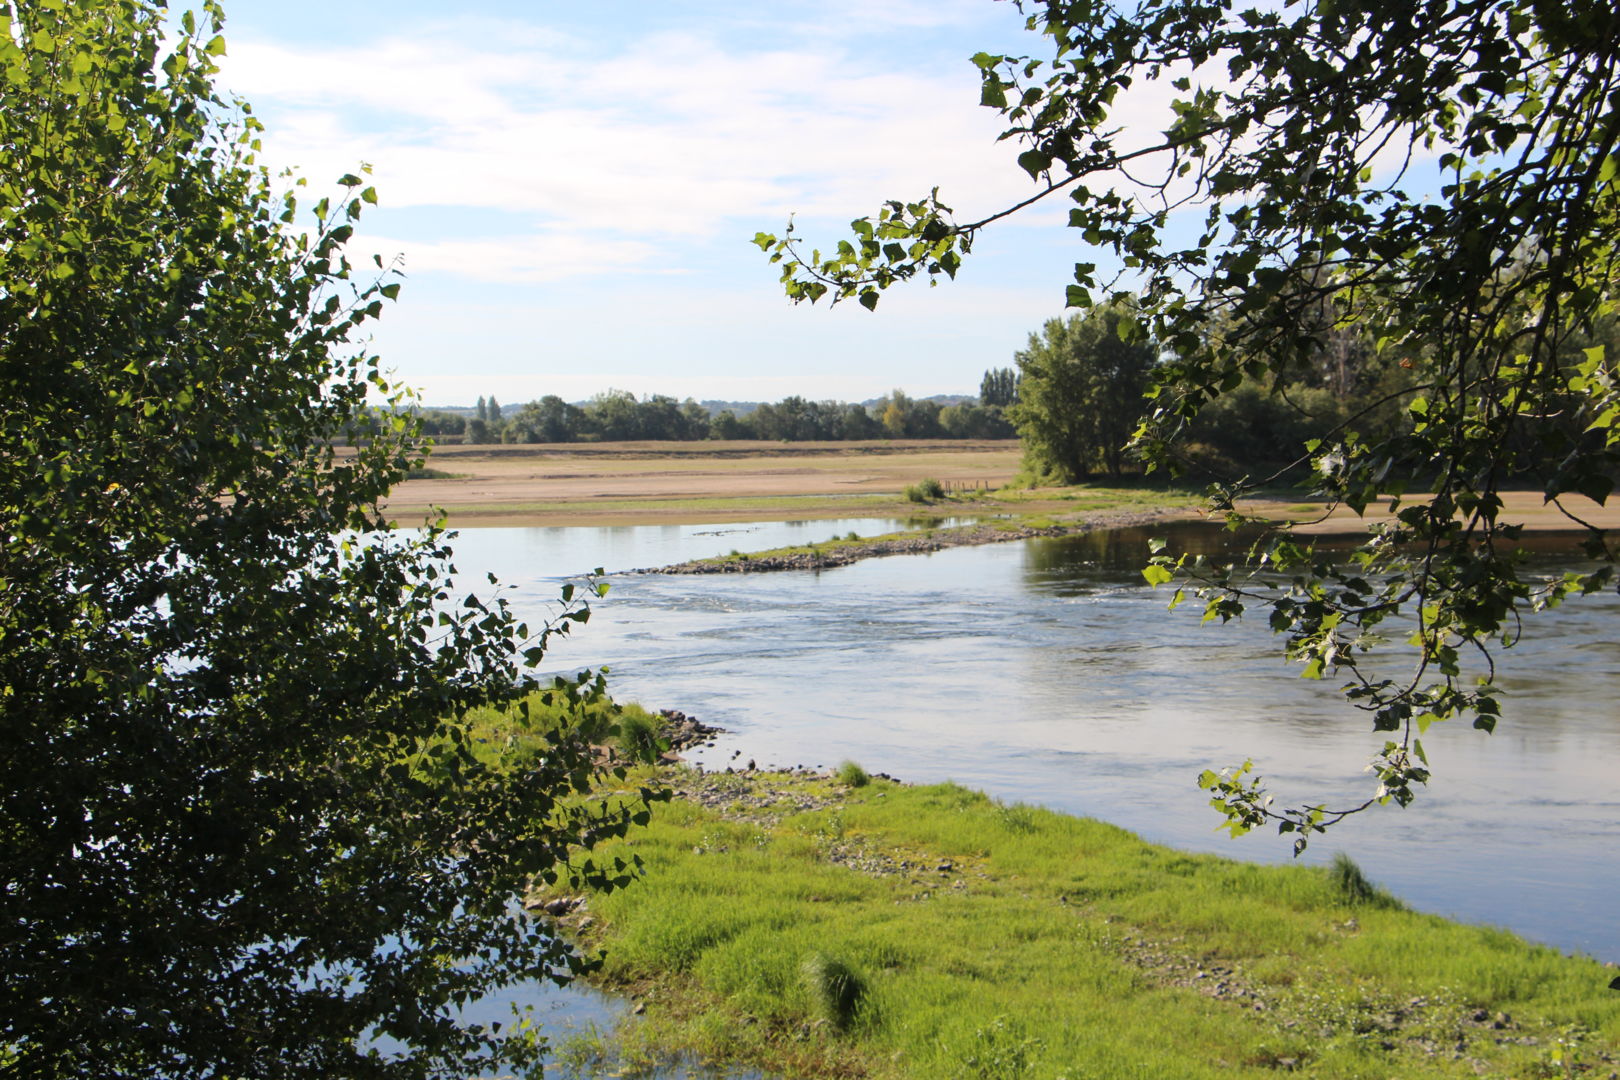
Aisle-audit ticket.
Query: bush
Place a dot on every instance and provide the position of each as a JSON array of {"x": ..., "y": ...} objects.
[
  {"x": 925, "y": 490},
  {"x": 853, "y": 775}
]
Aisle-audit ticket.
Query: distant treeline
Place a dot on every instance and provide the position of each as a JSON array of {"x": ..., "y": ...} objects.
[{"x": 619, "y": 416}]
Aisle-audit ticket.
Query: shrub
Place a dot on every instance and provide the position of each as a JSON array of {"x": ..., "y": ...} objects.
[
  {"x": 925, "y": 490},
  {"x": 851, "y": 774}
]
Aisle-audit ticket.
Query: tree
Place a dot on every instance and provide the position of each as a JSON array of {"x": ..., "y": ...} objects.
[
  {"x": 998, "y": 387},
  {"x": 1080, "y": 393},
  {"x": 550, "y": 420},
  {"x": 728, "y": 425},
  {"x": 616, "y": 415},
  {"x": 1440, "y": 178},
  {"x": 242, "y": 826}
]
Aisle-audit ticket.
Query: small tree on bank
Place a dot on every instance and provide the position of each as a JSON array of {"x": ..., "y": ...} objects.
[{"x": 242, "y": 827}]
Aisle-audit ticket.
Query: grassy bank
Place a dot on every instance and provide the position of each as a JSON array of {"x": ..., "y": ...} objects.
[{"x": 813, "y": 928}]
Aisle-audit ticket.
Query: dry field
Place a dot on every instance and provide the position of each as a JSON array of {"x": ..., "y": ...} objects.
[
  {"x": 665, "y": 483},
  {"x": 1528, "y": 508},
  {"x": 662, "y": 482}
]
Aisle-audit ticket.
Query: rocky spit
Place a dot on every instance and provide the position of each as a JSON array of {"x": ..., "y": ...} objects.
[{"x": 914, "y": 543}]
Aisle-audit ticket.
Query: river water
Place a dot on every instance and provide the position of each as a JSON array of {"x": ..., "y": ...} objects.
[{"x": 1045, "y": 671}]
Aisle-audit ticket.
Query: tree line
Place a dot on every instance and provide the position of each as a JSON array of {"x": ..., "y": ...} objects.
[
  {"x": 619, "y": 416},
  {"x": 1085, "y": 384}
]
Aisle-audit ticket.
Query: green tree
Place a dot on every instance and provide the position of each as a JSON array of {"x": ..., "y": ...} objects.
[
  {"x": 1080, "y": 393},
  {"x": 998, "y": 387},
  {"x": 615, "y": 415},
  {"x": 550, "y": 420},
  {"x": 728, "y": 425},
  {"x": 1443, "y": 179},
  {"x": 242, "y": 826}
]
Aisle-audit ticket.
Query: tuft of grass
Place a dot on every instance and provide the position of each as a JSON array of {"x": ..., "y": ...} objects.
[
  {"x": 852, "y": 775},
  {"x": 834, "y": 988},
  {"x": 640, "y": 734},
  {"x": 1351, "y": 886}
]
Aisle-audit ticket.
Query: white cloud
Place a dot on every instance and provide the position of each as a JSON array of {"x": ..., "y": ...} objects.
[
  {"x": 675, "y": 136},
  {"x": 537, "y": 258}
]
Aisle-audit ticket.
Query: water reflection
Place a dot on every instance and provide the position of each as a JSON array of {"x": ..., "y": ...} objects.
[{"x": 1046, "y": 671}]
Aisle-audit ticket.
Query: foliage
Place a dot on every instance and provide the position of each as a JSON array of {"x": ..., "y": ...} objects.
[
  {"x": 1080, "y": 393},
  {"x": 925, "y": 490},
  {"x": 1442, "y": 182},
  {"x": 243, "y": 829},
  {"x": 618, "y": 415},
  {"x": 970, "y": 421},
  {"x": 998, "y": 387}
]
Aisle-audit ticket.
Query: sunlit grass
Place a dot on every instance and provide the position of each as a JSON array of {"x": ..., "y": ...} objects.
[{"x": 1020, "y": 942}]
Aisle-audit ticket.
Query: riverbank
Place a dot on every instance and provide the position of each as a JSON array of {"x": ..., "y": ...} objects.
[
  {"x": 842, "y": 551},
  {"x": 800, "y": 924}
]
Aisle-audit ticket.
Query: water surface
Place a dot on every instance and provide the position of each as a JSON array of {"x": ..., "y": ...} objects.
[{"x": 1045, "y": 671}]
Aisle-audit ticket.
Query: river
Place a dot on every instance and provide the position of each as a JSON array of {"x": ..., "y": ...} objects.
[{"x": 1045, "y": 671}]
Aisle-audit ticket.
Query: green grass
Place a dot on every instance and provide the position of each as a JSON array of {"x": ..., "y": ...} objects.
[{"x": 1011, "y": 942}]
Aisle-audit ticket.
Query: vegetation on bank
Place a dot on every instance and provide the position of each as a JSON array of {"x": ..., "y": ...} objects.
[
  {"x": 852, "y": 547},
  {"x": 815, "y": 928},
  {"x": 1019, "y": 514}
]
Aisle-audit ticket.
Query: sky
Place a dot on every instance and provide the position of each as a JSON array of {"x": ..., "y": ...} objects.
[{"x": 573, "y": 188}]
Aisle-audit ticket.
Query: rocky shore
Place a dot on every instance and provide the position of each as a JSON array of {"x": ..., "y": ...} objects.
[{"x": 685, "y": 732}]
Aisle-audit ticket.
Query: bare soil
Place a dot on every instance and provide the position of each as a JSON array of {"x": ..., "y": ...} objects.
[
  {"x": 661, "y": 482},
  {"x": 1528, "y": 508},
  {"x": 667, "y": 483}
]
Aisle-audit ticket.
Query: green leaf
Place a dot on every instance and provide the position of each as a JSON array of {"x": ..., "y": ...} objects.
[{"x": 1034, "y": 162}]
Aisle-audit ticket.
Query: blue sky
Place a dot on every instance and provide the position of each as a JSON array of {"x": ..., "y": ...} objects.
[{"x": 573, "y": 187}]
